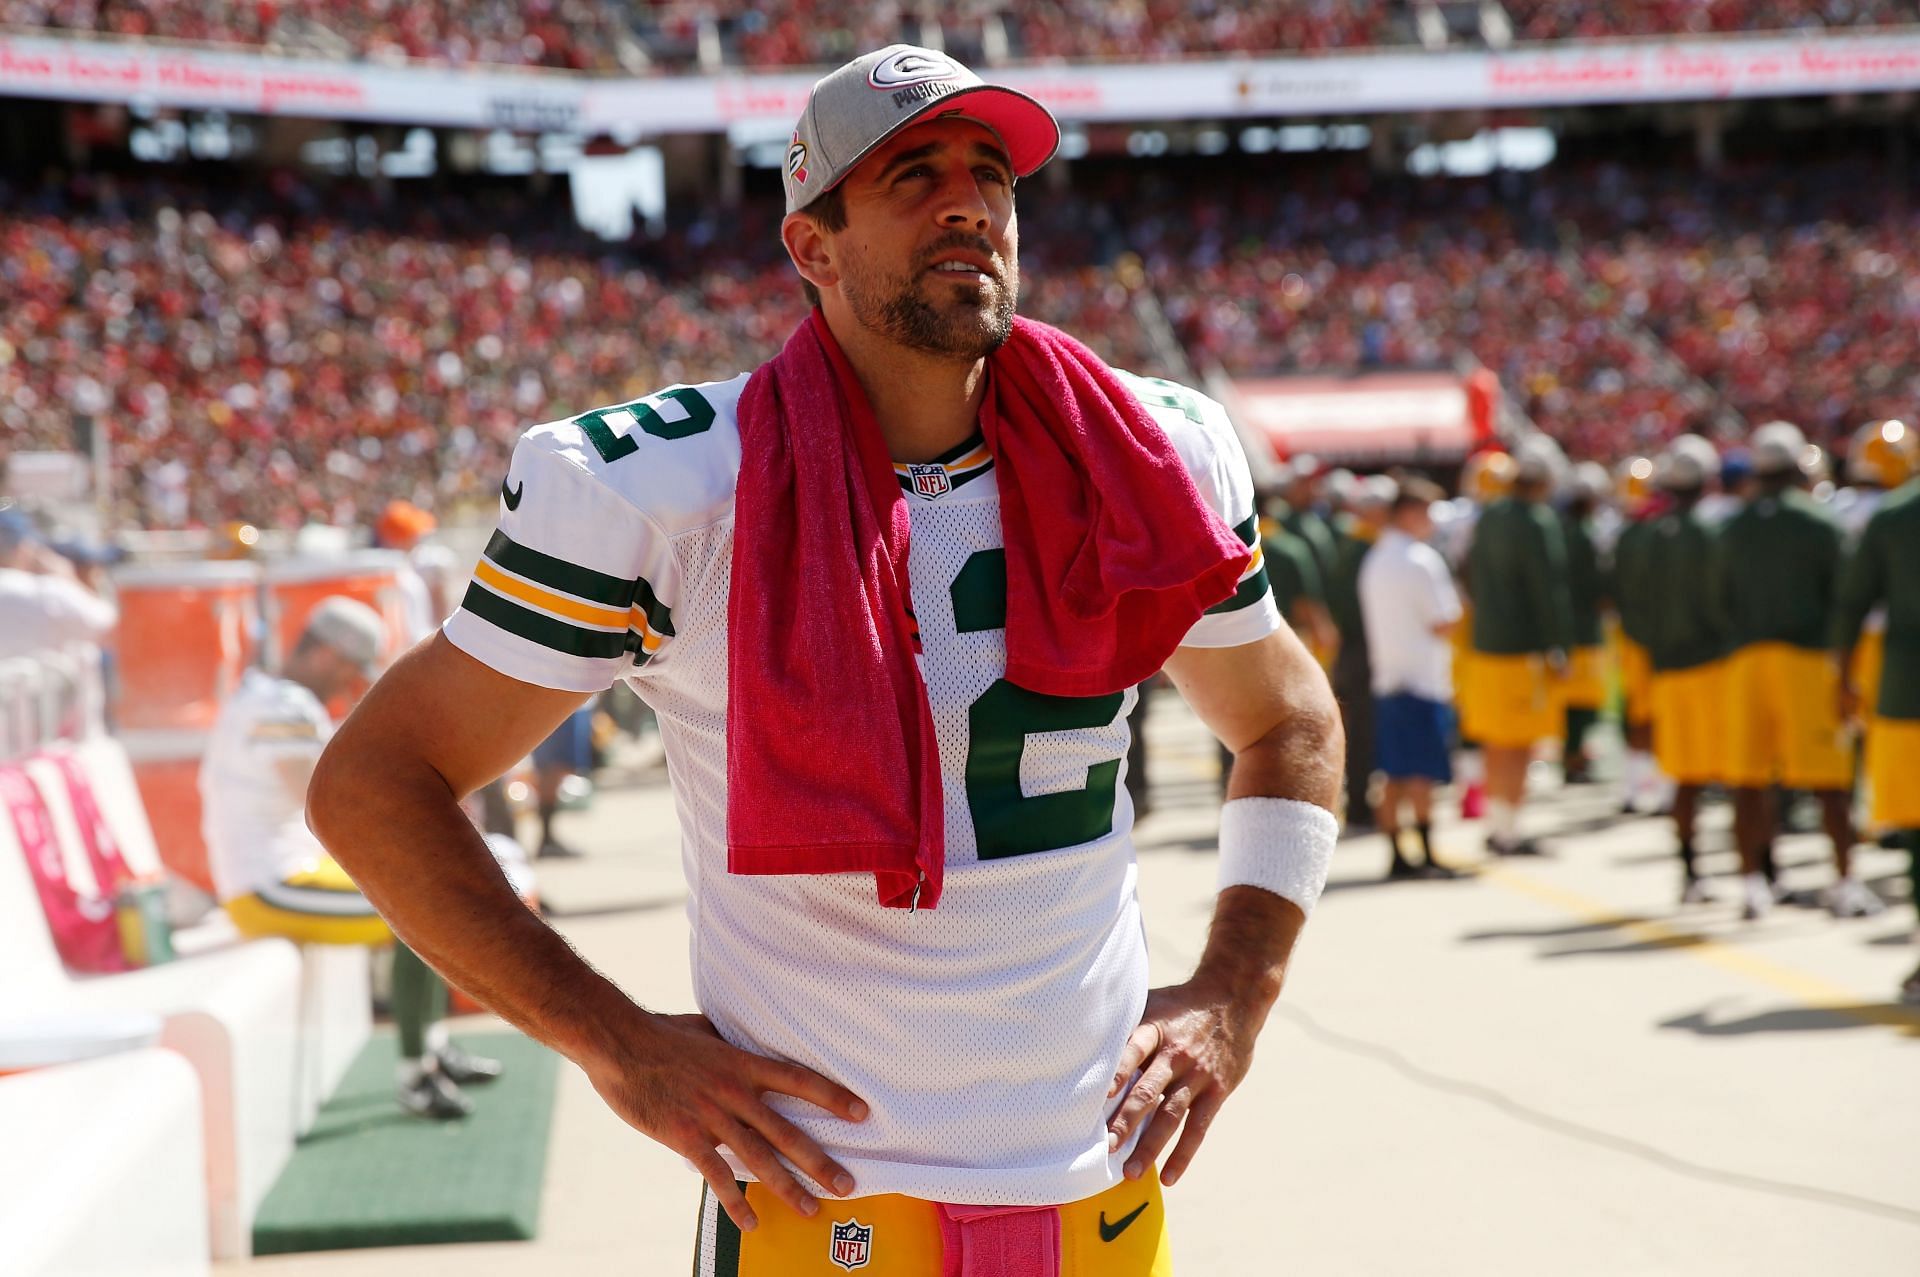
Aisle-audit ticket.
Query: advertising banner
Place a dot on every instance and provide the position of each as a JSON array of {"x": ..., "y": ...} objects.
[{"x": 39, "y": 66}]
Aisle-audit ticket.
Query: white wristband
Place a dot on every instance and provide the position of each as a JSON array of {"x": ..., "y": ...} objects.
[{"x": 1277, "y": 844}]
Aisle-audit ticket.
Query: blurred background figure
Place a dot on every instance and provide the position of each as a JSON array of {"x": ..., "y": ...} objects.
[
  {"x": 1364, "y": 505},
  {"x": 272, "y": 875},
  {"x": 1486, "y": 477},
  {"x": 1584, "y": 692},
  {"x": 1411, "y": 608},
  {"x": 48, "y": 601},
  {"x": 1629, "y": 586},
  {"x": 562, "y": 764},
  {"x": 1776, "y": 572},
  {"x": 1522, "y": 632},
  {"x": 1883, "y": 576},
  {"x": 432, "y": 572},
  {"x": 1686, "y": 646}
]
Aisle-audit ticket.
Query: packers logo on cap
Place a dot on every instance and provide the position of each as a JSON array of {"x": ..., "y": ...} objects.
[
  {"x": 911, "y": 66},
  {"x": 797, "y": 161}
]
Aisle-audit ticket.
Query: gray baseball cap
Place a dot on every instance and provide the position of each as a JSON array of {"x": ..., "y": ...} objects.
[
  {"x": 350, "y": 628},
  {"x": 856, "y": 108}
]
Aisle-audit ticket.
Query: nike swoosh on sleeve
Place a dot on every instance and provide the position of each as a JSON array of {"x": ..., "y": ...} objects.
[{"x": 512, "y": 495}]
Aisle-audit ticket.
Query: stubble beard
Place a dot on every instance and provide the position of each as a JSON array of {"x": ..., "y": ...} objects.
[{"x": 968, "y": 327}]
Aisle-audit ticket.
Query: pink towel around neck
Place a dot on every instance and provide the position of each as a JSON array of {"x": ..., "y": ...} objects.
[
  {"x": 999, "y": 1241},
  {"x": 1112, "y": 555}
]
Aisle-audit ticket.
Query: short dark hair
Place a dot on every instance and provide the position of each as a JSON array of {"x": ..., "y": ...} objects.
[{"x": 829, "y": 212}]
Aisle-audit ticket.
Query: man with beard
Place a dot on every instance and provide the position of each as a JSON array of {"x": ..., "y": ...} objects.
[{"x": 889, "y": 596}]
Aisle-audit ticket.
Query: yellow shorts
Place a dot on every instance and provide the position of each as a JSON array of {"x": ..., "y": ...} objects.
[
  {"x": 1893, "y": 769},
  {"x": 319, "y": 906},
  {"x": 1585, "y": 686},
  {"x": 1509, "y": 703},
  {"x": 1869, "y": 657},
  {"x": 1782, "y": 719},
  {"x": 1119, "y": 1233},
  {"x": 1689, "y": 716},
  {"x": 1636, "y": 682}
]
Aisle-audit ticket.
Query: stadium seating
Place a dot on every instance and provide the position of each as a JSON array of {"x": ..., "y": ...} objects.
[
  {"x": 362, "y": 354},
  {"x": 606, "y": 36},
  {"x": 579, "y": 35},
  {"x": 100, "y": 1170},
  {"x": 1581, "y": 20},
  {"x": 358, "y": 353}
]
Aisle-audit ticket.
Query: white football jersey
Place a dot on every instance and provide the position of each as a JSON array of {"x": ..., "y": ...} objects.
[
  {"x": 983, "y": 1033},
  {"x": 254, "y": 824}
]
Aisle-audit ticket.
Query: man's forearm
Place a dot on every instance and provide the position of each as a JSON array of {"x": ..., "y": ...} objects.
[
  {"x": 1254, "y": 930},
  {"x": 399, "y": 831},
  {"x": 1249, "y": 944}
]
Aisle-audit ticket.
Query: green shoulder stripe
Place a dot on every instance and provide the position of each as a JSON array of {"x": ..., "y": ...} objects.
[
  {"x": 1250, "y": 592},
  {"x": 659, "y": 615},
  {"x": 536, "y": 627},
  {"x": 558, "y": 574}
]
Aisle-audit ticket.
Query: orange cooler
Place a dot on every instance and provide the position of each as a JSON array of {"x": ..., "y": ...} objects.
[
  {"x": 296, "y": 586},
  {"x": 188, "y": 631},
  {"x": 166, "y": 770}
]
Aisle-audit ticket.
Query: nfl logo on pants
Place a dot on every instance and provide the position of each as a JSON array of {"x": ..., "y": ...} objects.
[{"x": 852, "y": 1245}]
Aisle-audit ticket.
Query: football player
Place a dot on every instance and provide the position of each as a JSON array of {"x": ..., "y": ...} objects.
[
  {"x": 1883, "y": 572},
  {"x": 1776, "y": 566},
  {"x": 890, "y": 627},
  {"x": 1685, "y": 643},
  {"x": 1522, "y": 629}
]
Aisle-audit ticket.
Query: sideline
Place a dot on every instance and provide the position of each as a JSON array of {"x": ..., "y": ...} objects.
[{"x": 1811, "y": 991}]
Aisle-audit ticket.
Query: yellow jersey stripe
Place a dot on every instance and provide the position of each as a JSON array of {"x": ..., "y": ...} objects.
[{"x": 547, "y": 601}]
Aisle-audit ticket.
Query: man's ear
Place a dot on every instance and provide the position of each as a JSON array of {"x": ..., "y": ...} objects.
[{"x": 810, "y": 249}]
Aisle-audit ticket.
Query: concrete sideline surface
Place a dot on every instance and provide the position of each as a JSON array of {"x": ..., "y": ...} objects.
[{"x": 1547, "y": 1068}]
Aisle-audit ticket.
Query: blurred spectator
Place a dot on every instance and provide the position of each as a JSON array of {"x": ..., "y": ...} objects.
[
  {"x": 1584, "y": 691},
  {"x": 44, "y": 604},
  {"x": 278, "y": 359},
  {"x": 1583, "y": 20},
  {"x": 1410, "y": 607},
  {"x": 1522, "y": 632},
  {"x": 587, "y": 35},
  {"x": 274, "y": 877},
  {"x": 427, "y": 583},
  {"x": 578, "y": 35},
  {"x": 1687, "y": 647},
  {"x": 1367, "y": 504},
  {"x": 1776, "y": 570}
]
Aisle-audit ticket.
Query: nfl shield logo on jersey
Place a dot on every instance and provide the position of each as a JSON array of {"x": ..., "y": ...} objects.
[
  {"x": 930, "y": 481},
  {"x": 852, "y": 1244}
]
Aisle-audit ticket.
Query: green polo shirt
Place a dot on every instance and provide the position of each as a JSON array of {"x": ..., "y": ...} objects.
[
  {"x": 1885, "y": 569},
  {"x": 1628, "y": 581},
  {"x": 1517, "y": 574},
  {"x": 1585, "y": 584},
  {"x": 1315, "y": 531},
  {"x": 1343, "y": 586},
  {"x": 1776, "y": 566},
  {"x": 1683, "y": 625},
  {"x": 1292, "y": 570}
]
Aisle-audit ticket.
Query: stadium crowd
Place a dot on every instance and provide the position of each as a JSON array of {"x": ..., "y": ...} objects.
[
  {"x": 574, "y": 35},
  {"x": 1576, "y": 20},
  {"x": 588, "y": 35},
  {"x": 366, "y": 352},
  {"x": 273, "y": 357},
  {"x": 1630, "y": 307}
]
